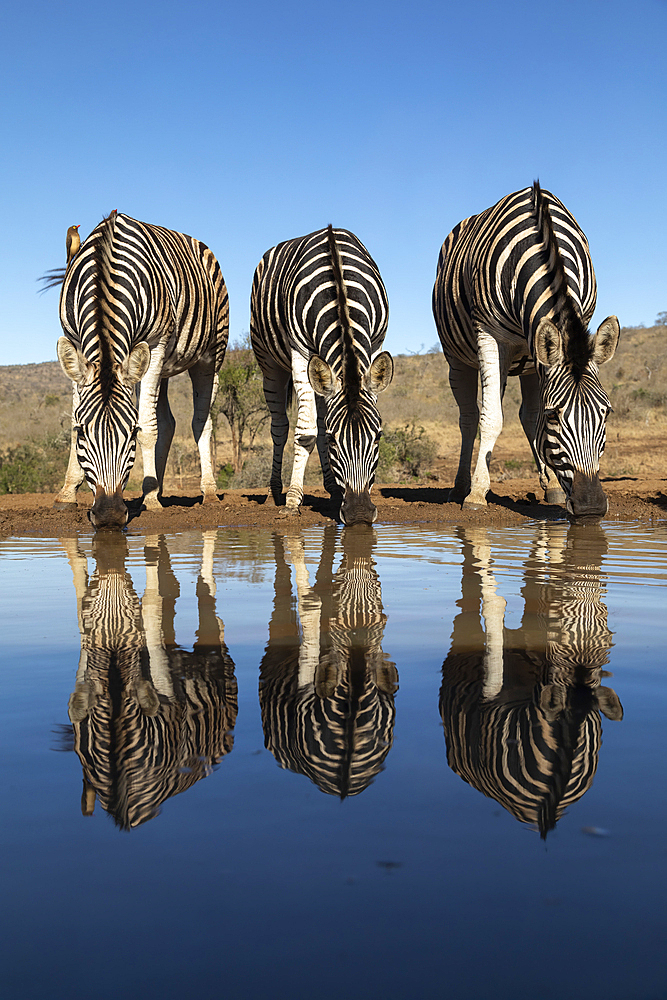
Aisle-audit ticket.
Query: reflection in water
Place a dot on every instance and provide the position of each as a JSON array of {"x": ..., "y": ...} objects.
[
  {"x": 326, "y": 688},
  {"x": 521, "y": 707},
  {"x": 149, "y": 718}
]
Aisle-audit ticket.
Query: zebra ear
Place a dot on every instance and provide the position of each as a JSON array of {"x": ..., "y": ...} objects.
[
  {"x": 380, "y": 373},
  {"x": 321, "y": 377},
  {"x": 606, "y": 340},
  {"x": 72, "y": 362},
  {"x": 609, "y": 703},
  {"x": 137, "y": 364},
  {"x": 548, "y": 346}
]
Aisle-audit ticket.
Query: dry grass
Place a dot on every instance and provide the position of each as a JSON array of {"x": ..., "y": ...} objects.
[{"x": 35, "y": 403}]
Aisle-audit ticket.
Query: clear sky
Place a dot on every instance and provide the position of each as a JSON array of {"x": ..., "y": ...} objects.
[{"x": 245, "y": 124}]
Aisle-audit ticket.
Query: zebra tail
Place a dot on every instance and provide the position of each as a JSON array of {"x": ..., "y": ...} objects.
[{"x": 351, "y": 375}]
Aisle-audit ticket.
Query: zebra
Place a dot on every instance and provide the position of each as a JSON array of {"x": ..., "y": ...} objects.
[
  {"x": 326, "y": 687},
  {"x": 139, "y": 303},
  {"x": 514, "y": 293},
  {"x": 521, "y": 707},
  {"x": 148, "y": 718},
  {"x": 319, "y": 315}
]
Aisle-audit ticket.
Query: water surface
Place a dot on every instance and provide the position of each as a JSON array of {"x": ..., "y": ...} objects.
[{"x": 383, "y": 764}]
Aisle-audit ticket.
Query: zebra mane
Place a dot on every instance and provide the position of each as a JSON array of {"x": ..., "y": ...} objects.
[
  {"x": 351, "y": 376},
  {"x": 102, "y": 255},
  {"x": 576, "y": 340}
]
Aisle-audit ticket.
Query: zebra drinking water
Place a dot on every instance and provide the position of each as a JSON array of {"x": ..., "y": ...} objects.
[
  {"x": 139, "y": 304},
  {"x": 319, "y": 313},
  {"x": 514, "y": 293}
]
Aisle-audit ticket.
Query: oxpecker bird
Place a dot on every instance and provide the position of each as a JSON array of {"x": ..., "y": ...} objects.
[{"x": 73, "y": 241}]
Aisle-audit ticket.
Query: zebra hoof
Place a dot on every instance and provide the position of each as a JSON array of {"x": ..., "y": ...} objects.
[
  {"x": 211, "y": 498},
  {"x": 65, "y": 505},
  {"x": 289, "y": 512},
  {"x": 474, "y": 505},
  {"x": 555, "y": 495},
  {"x": 456, "y": 496}
]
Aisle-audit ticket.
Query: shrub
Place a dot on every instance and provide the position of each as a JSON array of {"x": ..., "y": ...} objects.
[
  {"x": 405, "y": 451},
  {"x": 37, "y": 466}
]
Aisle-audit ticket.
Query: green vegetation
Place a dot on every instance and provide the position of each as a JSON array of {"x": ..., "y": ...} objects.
[
  {"x": 405, "y": 452},
  {"x": 241, "y": 399},
  {"x": 36, "y": 466}
]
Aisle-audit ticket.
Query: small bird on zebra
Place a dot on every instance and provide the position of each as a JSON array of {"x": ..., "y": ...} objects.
[
  {"x": 319, "y": 315},
  {"x": 139, "y": 304},
  {"x": 515, "y": 290},
  {"x": 72, "y": 241}
]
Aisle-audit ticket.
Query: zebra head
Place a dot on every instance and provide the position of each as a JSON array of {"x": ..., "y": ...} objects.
[
  {"x": 571, "y": 429},
  {"x": 353, "y": 428},
  {"x": 105, "y": 423}
]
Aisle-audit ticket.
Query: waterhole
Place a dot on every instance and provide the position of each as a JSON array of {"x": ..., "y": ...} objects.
[{"x": 389, "y": 763}]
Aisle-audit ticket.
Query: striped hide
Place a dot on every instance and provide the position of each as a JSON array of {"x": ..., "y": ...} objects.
[
  {"x": 318, "y": 319},
  {"x": 326, "y": 687},
  {"x": 521, "y": 707},
  {"x": 514, "y": 293},
  {"x": 149, "y": 719},
  {"x": 139, "y": 304}
]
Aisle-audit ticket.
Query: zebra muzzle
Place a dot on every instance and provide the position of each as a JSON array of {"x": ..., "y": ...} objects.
[
  {"x": 108, "y": 510},
  {"x": 357, "y": 508}
]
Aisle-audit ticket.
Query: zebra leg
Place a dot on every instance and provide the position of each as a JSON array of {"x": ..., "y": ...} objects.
[
  {"x": 166, "y": 426},
  {"x": 74, "y": 475},
  {"x": 494, "y": 364},
  {"x": 204, "y": 390},
  {"x": 276, "y": 384},
  {"x": 528, "y": 414},
  {"x": 463, "y": 383},
  {"x": 330, "y": 484},
  {"x": 147, "y": 434},
  {"x": 305, "y": 433}
]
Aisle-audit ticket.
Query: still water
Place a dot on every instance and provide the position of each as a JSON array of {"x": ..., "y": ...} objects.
[{"x": 384, "y": 764}]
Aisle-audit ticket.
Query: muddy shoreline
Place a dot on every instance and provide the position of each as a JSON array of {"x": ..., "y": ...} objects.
[{"x": 511, "y": 502}]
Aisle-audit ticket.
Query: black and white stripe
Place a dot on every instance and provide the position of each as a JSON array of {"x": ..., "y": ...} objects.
[
  {"x": 521, "y": 707},
  {"x": 319, "y": 315},
  {"x": 514, "y": 293},
  {"x": 326, "y": 687},
  {"x": 139, "y": 304},
  {"x": 149, "y": 719}
]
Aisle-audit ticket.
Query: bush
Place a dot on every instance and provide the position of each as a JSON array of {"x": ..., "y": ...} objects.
[
  {"x": 36, "y": 466},
  {"x": 405, "y": 451}
]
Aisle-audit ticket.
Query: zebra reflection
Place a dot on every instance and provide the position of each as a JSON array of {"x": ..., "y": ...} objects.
[
  {"x": 149, "y": 719},
  {"x": 521, "y": 707},
  {"x": 326, "y": 687}
]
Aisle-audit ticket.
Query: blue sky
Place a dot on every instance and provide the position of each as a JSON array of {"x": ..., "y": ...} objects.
[{"x": 245, "y": 125}]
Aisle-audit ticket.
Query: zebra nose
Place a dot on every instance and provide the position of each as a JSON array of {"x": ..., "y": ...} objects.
[
  {"x": 108, "y": 511},
  {"x": 357, "y": 508},
  {"x": 587, "y": 498}
]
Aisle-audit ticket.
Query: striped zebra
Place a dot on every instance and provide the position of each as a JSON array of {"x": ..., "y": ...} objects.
[
  {"x": 326, "y": 687},
  {"x": 148, "y": 718},
  {"x": 514, "y": 293},
  {"x": 521, "y": 707},
  {"x": 139, "y": 304},
  {"x": 319, "y": 314}
]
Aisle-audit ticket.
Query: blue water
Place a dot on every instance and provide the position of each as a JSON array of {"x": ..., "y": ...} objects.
[{"x": 247, "y": 880}]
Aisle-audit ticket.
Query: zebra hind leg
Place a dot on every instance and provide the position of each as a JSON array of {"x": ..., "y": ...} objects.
[
  {"x": 463, "y": 383},
  {"x": 204, "y": 390}
]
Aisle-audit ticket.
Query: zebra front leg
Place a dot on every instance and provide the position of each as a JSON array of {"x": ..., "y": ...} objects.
[
  {"x": 276, "y": 384},
  {"x": 463, "y": 383},
  {"x": 494, "y": 363},
  {"x": 330, "y": 484},
  {"x": 204, "y": 391},
  {"x": 305, "y": 433},
  {"x": 74, "y": 476},
  {"x": 529, "y": 415}
]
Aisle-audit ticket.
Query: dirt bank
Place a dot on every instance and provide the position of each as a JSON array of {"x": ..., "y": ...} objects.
[{"x": 512, "y": 501}]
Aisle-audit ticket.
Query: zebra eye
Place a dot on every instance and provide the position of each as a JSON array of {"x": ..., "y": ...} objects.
[{"x": 551, "y": 414}]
